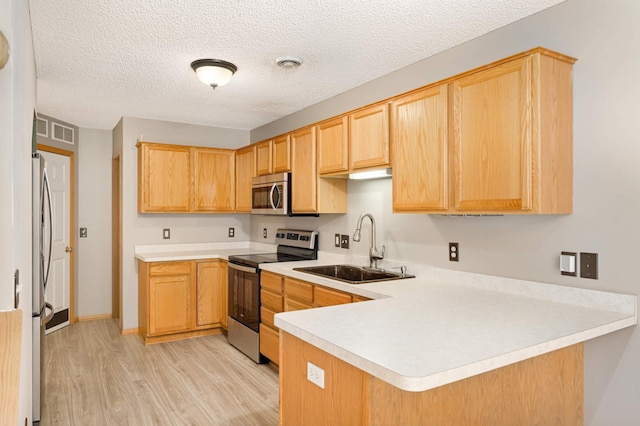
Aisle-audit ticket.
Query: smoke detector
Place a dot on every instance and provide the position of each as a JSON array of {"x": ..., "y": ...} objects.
[{"x": 289, "y": 62}]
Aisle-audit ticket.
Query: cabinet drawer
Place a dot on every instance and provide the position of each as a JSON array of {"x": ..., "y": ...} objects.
[
  {"x": 270, "y": 343},
  {"x": 327, "y": 297},
  {"x": 298, "y": 290},
  {"x": 271, "y": 282},
  {"x": 266, "y": 318},
  {"x": 169, "y": 268},
  {"x": 294, "y": 305},
  {"x": 271, "y": 301}
]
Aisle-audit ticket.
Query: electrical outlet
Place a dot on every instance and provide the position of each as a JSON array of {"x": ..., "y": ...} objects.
[
  {"x": 589, "y": 265},
  {"x": 166, "y": 233},
  {"x": 344, "y": 241},
  {"x": 454, "y": 252},
  {"x": 264, "y": 233},
  {"x": 232, "y": 232},
  {"x": 568, "y": 263},
  {"x": 315, "y": 375},
  {"x": 337, "y": 240}
]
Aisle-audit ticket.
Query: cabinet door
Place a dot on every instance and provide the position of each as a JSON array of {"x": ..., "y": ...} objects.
[
  {"x": 333, "y": 146},
  {"x": 264, "y": 164},
  {"x": 282, "y": 154},
  {"x": 369, "y": 137},
  {"x": 492, "y": 138},
  {"x": 208, "y": 294},
  {"x": 214, "y": 180},
  {"x": 419, "y": 140},
  {"x": 304, "y": 180},
  {"x": 224, "y": 293},
  {"x": 170, "y": 304},
  {"x": 164, "y": 179},
  {"x": 246, "y": 170}
]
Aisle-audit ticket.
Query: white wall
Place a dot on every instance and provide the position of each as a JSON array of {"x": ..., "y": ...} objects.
[
  {"x": 141, "y": 229},
  {"x": 93, "y": 286},
  {"x": 604, "y": 36},
  {"x": 17, "y": 103}
]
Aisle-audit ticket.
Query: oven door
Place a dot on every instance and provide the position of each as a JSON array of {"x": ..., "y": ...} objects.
[{"x": 244, "y": 295}]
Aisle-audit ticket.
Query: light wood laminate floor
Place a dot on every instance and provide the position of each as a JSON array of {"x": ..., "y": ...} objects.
[{"x": 95, "y": 376}]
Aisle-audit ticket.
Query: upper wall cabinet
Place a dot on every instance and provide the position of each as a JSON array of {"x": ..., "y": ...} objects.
[
  {"x": 264, "y": 163},
  {"x": 509, "y": 145},
  {"x": 214, "y": 180},
  {"x": 274, "y": 155},
  {"x": 282, "y": 154},
  {"x": 164, "y": 178},
  {"x": 512, "y": 137},
  {"x": 183, "y": 179},
  {"x": 419, "y": 137},
  {"x": 333, "y": 145},
  {"x": 310, "y": 192},
  {"x": 369, "y": 137},
  {"x": 245, "y": 172}
]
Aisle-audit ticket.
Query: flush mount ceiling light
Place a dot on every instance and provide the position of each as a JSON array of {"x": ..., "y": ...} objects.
[
  {"x": 214, "y": 72},
  {"x": 289, "y": 61}
]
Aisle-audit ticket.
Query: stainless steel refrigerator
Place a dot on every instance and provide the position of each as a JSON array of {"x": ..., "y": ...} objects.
[{"x": 41, "y": 261}]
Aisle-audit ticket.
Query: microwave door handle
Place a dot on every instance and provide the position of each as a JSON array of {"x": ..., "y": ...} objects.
[{"x": 274, "y": 188}]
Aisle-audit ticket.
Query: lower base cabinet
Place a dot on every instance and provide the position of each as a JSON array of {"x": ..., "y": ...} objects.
[
  {"x": 544, "y": 390},
  {"x": 181, "y": 299},
  {"x": 284, "y": 294}
]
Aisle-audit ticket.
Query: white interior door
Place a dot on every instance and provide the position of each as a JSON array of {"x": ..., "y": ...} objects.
[{"x": 59, "y": 284}]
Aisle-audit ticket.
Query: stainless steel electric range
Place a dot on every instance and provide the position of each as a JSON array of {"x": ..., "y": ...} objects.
[{"x": 244, "y": 286}]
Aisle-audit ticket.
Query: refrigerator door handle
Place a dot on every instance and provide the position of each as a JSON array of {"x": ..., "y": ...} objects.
[
  {"x": 48, "y": 190},
  {"x": 49, "y": 306}
]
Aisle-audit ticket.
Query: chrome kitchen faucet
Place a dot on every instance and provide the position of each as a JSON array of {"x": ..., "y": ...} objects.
[{"x": 374, "y": 254}]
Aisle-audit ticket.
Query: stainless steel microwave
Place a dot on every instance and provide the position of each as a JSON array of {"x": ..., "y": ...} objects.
[{"x": 271, "y": 194}]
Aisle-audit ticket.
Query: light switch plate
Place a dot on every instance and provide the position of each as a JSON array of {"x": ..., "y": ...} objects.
[
  {"x": 589, "y": 265},
  {"x": 166, "y": 233},
  {"x": 568, "y": 263}
]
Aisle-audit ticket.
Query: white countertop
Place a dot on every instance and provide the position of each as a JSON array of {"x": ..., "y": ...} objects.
[
  {"x": 445, "y": 326},
  {"x": 171, "y": 252}
]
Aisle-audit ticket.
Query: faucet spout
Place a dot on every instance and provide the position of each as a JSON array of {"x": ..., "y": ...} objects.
[{"x": 374, "y": 253}]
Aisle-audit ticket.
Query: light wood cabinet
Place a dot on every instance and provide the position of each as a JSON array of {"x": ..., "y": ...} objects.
[
  {"x": 209, "y": 294},
  {"x": 512, "y": 136},
  {"x": 224, "y": 298},
  {"x": 285, "y": 294},
  {"x": 544, "y": 390},
  {"x": 333, "y": 146},
  {"x": 214, "y": 180},
  {"x": 419, "y": 139},
  {"x": 282, "y": 154},
  {"x": 185, "y": 179},
  {"x": 271, "y": 303},
  {"x": 179, "y": 299},
  {"x": 264, "y": 163},
  {"x": 274, "y": 155},
  {"x": 164, "y": 178},
  {"x": 310, "y": 192},
  {"x": 245, "y": 172},
  {"x": 369, "y": 137}
]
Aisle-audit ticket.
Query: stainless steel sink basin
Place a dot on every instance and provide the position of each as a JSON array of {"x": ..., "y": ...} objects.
[{"x": 352, "y": 274}]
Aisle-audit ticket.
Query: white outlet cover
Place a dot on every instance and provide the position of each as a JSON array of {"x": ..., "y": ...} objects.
[{"x": 315, "y": 375}]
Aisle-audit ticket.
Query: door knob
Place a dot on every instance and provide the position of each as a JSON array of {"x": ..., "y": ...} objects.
[{"x": 68, "y": 249}]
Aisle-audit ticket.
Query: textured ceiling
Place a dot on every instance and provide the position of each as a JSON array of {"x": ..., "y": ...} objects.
[{"x": 97, "y": 61}]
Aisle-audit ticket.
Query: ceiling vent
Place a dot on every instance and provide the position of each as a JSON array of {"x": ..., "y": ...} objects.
[{"x": 289, "y": 62}]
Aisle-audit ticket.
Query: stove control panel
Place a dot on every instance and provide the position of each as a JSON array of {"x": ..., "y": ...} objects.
[{"x": 297, "y": 238}]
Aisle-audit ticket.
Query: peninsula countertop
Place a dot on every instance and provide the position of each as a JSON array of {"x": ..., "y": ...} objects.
[{"x": 445, "y": 326}]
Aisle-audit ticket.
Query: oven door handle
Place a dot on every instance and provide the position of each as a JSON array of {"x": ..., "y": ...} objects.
[{"x": 243, "y": 268}]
